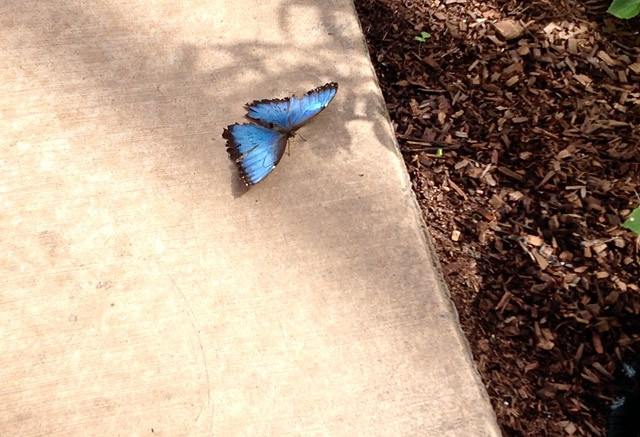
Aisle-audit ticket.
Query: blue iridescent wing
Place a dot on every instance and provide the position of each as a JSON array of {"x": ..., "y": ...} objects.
[
  {"x": 272, "y": 112},
  {"x": 310, "y": 105},
  {"x": 290, "y": 113},
  {"x": 255, "y": 149}
]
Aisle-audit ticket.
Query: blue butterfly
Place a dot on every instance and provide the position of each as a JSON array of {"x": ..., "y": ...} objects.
[{"x": 257, "y": 148}]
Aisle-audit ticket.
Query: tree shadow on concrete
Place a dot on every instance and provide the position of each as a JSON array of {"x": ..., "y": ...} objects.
[{"x": 191, "y": 102}]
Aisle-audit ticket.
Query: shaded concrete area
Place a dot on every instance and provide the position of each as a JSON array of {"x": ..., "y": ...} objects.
[{"x": 142, "y": 291}]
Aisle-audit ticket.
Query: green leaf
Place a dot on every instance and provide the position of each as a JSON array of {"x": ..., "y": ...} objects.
[
  {"x": 624, "y": 8},
  {"x": 424, "y": 36},
  {"x": 633, "y": 221},
  {"x": 439, "y": 153}
]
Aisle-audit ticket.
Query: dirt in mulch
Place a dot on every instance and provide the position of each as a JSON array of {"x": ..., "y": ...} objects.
[{"x": 519, "y": 123}]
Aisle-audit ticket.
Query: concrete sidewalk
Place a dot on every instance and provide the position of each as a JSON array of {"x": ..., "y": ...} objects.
[{"x": 142, "y": 293}]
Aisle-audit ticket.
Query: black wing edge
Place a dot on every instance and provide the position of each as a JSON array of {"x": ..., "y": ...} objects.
[
  {"x": 327, "y": 85},
  {"x": 234, "y": 153}
]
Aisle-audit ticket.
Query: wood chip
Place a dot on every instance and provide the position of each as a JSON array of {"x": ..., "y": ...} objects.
[
  {"x": 455, "y": 235},
  {"x": 512, "y": 174},
  {"x": 535, "y": 240},
  {"x": 509, "y": 29},
  {"x": 597, "y": 343},
  {"x": 511, "y": 81},
  {"x": 635, "y": 67},
  {"x": 570, "y": 428},
  {"x": 607, "y": 59}
]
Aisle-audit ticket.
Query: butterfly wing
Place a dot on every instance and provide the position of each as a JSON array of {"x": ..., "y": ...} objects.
[
  {"x": 255, "y": 149},
  {"x": 272, "y": 112},
  {"x": 311, "y": 104},
  {"x": 290, "y": 113}
]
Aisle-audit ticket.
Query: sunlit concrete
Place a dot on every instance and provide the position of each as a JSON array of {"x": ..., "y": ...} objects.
[{"x": 142, "y": 292}]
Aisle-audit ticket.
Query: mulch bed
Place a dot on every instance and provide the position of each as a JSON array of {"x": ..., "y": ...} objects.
[{"x": 519, "y": 123}]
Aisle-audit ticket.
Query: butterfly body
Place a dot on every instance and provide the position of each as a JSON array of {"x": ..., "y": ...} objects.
[{"x": 257, "y": 148}]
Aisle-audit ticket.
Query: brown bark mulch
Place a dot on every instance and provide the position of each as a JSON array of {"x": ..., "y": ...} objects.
[{"x": 519, "y": 123}]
